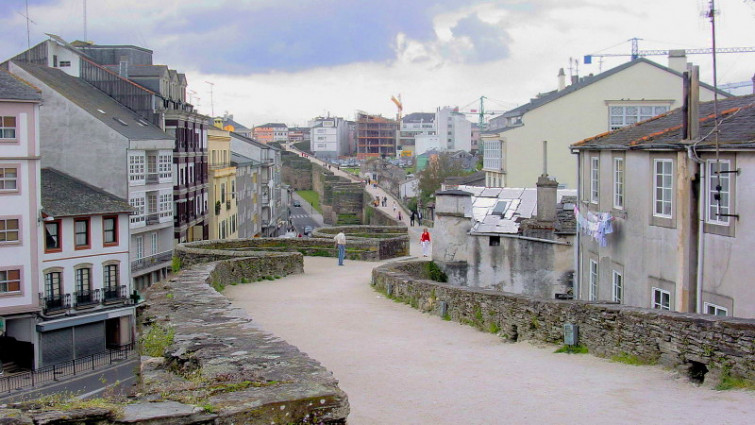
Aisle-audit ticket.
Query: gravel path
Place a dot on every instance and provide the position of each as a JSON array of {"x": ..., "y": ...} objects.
[{"x": 399, "y": 366}]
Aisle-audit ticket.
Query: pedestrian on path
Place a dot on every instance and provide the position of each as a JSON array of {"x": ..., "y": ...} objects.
[
  {"x": 394, "y": 207},
  {"x": 340, "y": 241},
  {"x": 424, "y": 240},
  {"x": 385, "y": 201},
  {"x": 399, "y": 215},
  {"x": 411, "y": 219}
]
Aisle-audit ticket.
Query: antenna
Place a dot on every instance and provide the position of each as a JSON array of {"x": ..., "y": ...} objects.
[
  {"x": 85, "y": 21},
  {"x": 212, "y": 101},
  {"x": 28, "y": 38}
]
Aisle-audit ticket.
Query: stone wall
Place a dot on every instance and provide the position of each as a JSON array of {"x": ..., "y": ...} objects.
[
  {"x": 283, "y": 256},
  {"x": 695, "y": 344},
  {"x": 296, "y": 171},
  {"x": 375, "y": 216}
]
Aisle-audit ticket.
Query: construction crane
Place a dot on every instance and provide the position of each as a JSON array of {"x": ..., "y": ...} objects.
[
  {"x": 399, "y": 113},
  {"x": 636, "y": 53},
  {"x": 481, "y": 113}
]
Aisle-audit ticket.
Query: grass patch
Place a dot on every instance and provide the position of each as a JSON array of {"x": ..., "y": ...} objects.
[
  {"x": 572, "y": 349},
  {"x": 175, "y": 264},
  {"x": 631, "y": 359},
  {"x": 312, "y": 197},
  {"x": 67, "y": 400},
  {"x": 434, "y": 272},
  {"x": 351, "y": 170},
  {"x": 494, "y": 328},
  {"x": 729, "y": 382},
  {"x": 156, "y": 340}
]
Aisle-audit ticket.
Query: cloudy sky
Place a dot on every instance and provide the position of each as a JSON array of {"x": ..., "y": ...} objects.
[{"x": 290, "y": 60}]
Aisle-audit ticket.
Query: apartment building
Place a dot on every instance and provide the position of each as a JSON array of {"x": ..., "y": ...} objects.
[{"x": 223, "y": 190}]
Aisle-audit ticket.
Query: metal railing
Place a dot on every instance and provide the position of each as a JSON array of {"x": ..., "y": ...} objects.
[
  {"x": 153, "y": 218},
  {"x": 61, "y": 371},
  {"x": 145, "y": 262}
]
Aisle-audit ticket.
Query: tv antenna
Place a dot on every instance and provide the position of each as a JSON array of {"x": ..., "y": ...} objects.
[{"x": 212, "y": 101}]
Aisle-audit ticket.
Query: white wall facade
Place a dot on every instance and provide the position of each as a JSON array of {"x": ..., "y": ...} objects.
[{"x": 582, "y": 114}]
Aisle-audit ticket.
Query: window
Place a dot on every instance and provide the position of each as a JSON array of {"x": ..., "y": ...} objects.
[
  {"x": 594, "y": 179},
  {"x": 110, "y": 277},
  {"x": 137, "y": 216},
  {"x": 139, "y": 247},
  {"x": 136, "y": 168},
  {"x": 54, "y": 288},
  {"x": 155, "y": 242},
  {"x": 65, "y": 63},
  {"x": 222, "y": 192},
  {"x": 7, "y": 127},
  {"x": 618, "y": 287},
  {"x": 233, "y": 189},
  {"x": 10, "y": 281},
  {"x": 661, "y": 299},
  {"x": 83, "y": 285},
  {"x": 9, "y": 179},
  {"x": 593, "y": 290},
  {"x": 719, "y": 192},
  {"x": 622, "y": 116},
  {"x": 618, "y": 183},
  {"x": 110, "y": 230},
  {"x": 9, "y": 230},
  {"x": 494, "y": 241},
  {"x": 81, "y": 233},
  {"x": 715, "y": 310},
  {"x": 166, "y": 205},
  {"x": 164, "y": 166},
  {"x": 52, "y": 236},
  {"x": 663, "y": 186}
]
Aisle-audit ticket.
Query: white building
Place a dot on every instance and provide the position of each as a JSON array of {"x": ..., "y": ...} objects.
[
  {"x": 622, "y": 96},
  {"x": 453, "y": 130},
  {"x": 329, "y": 137},
  {"x": 20, "y": 207}
]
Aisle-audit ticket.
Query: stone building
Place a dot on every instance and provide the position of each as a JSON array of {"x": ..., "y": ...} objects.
[
  {"x": 511, "y": 239},
  {"x": 679, "y": 196}
]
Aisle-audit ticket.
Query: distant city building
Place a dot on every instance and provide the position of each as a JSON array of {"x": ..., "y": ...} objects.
[
  {"x": 413, "y": 125},
  {"x": 248, "y": 195},
  {"x": 453, "y": 129},
  {"x": 329, "y": 137},
  {"x": 298, "y": 134},
  {"x": 227, "y": 123},
  {"x": 376, "y": 136},
  {"x": 271, "y": 132}
]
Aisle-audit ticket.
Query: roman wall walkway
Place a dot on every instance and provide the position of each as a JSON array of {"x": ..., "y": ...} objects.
[{"x": 398, "y": 365}]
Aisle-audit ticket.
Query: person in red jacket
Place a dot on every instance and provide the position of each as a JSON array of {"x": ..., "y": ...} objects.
[{"x": 424, "y": 240}]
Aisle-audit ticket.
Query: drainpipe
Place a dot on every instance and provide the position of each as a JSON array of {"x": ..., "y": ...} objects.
[
  {"x": 700, "y": 228},
  {"x": 578, "y": 251}
]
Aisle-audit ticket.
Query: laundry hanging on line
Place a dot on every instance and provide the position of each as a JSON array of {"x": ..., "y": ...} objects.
[{"x": 596, "y": 226}]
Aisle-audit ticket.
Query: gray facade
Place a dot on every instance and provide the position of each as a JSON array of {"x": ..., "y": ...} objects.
[{"x": 247, "y": 192}]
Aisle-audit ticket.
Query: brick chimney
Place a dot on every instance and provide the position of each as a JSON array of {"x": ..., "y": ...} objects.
[
  {"x": 562, "y": 79},
  {"x": 546, "y": 199}
]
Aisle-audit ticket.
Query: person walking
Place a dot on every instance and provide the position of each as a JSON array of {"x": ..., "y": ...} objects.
[
  {"x": 340, "y": 242},
  {"x": 424, "y": 240},
  {"x": 411, "y": 219}
]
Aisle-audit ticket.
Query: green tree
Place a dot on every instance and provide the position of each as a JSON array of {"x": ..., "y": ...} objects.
[{"x": 438, "y": 169}]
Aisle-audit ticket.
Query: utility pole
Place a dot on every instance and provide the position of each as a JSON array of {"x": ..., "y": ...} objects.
[
  {"x": 212, "y": 100},
  {"x": 85, "y": 21}
]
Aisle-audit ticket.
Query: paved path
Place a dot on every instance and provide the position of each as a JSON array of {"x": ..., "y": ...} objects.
[{"x": 399, "y": 366}]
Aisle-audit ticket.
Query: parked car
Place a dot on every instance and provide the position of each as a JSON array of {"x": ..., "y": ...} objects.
[
  {"x": 308, "y": 230},
  {"x": 297, "y": 203}
]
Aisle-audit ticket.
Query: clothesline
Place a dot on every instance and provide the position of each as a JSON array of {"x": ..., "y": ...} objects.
[{"x": 596, "y": 226}]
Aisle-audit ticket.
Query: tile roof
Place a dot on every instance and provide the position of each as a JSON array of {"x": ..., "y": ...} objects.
[
  {"x": 586, "y": 81},
  {"x": 65, "y": 196},
  {"x": 238, "y": 159},
  {"x": 272, "y": 124},
  {"x": 245, "y": 139},
  {"x": 14, "y": 88},
  {"x": 96, "y": 103},
  {"x": 736, "y": 129}
]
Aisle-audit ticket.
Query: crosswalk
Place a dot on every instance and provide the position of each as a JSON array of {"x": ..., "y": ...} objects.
[{"x": 299, "y": 216}]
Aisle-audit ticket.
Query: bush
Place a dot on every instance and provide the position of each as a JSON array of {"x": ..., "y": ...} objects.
[
  {"x": 434, "y": 272},
  {"x": 156, "y": 340}
]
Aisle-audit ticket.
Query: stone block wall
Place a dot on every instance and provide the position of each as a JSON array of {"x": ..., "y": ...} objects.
[
  {"x": 384, "y": 242},
  {"x": 296, "y": 171},
  {"x": 692, "y": 343}
]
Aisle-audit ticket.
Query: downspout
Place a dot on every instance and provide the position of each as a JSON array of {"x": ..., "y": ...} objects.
[
  {"x": 578, "y": 251},
  {"x": 700, "y": 229}
]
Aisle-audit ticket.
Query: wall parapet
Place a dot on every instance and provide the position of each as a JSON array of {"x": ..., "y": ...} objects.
[{"x": 692, "y": 343}]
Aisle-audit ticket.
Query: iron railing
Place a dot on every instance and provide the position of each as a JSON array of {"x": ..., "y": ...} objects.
[
  {"x": 61, "y": 371},
  {"x": 152, "y": 260}
]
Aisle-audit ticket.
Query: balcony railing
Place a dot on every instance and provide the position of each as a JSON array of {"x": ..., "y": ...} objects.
[
  {"x": 228, "y": 205},
  {"x": 153, "y": 218},
  {"x": 114, "y": 293},
  {"x": 219, "y": 165},
  {"x": 152, "y": 260},
  {"x": 152, "y": 178},
  {"x": 55, "y": 303},
  {"x": 85, "y": 298}
]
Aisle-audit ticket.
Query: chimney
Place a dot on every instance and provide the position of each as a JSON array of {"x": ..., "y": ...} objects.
[
  {"x": 677, "y": 60},
  {"x": 546, "y": 199},
  {"x": 562, "y": 79},
  {"x": 693, "y": 110},
  {"x": 574, "y": 79}
]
